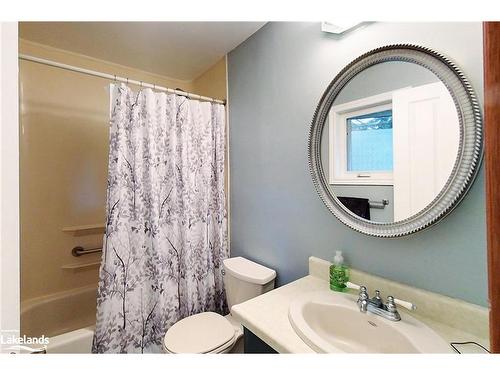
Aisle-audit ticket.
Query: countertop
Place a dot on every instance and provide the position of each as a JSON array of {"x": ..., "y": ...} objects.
[{"x": 267, "y": 317}]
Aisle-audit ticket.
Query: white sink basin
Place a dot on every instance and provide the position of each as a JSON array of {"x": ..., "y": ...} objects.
[{"x": 330, "y": 322}]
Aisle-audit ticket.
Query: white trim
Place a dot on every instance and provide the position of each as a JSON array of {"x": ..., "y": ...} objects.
[
  {"x": 9, "y": 180},
  {"x": 337, "y": 150},
  {"x": 228, "y": 163}
]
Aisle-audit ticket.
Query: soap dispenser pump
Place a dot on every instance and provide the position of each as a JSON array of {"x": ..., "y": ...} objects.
[{"x": 339, "y": 273}]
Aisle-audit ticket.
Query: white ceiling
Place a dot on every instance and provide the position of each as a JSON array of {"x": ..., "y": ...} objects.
[{"x": 182, "y": 50}]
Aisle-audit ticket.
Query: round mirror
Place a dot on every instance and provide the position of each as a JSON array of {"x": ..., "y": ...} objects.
[{"x": 396, "y": 141}]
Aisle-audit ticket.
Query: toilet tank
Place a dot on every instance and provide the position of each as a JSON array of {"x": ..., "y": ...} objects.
[{"x": 244, "y": 279}]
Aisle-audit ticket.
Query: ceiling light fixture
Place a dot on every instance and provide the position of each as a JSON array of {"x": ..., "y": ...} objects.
[{"x": 339, "y": 27}]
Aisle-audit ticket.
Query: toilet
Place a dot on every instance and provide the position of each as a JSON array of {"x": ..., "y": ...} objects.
[{"x": 209, "y": 332}]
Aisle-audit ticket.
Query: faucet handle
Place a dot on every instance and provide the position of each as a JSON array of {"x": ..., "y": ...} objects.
[
  {"x": 363, "y": 299},
  {"x": 391, "y": 305},
  {"x": 363, "y": 292},
  {"x": 407, "y": 305},
  {"x": 392, "y": 310},
  {"x": 352, "y": 285},
  {"x": 392, "y": 302}
]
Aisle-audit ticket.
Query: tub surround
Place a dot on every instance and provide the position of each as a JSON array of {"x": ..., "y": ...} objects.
[{"x": 267, "y": 315}]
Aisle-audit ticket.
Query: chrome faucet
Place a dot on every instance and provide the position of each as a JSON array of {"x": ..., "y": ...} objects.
[{"x": 376, "y": 306}]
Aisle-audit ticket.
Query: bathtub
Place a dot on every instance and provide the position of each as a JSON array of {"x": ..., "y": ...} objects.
[
  {"x": 78, "y": 341},
  {"x": 66, "y": 318}
]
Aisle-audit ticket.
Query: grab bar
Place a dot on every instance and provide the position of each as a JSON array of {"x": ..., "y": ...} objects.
[
  {"x": 378, "y": 204},
  {"x": 41, "y": 350},
  {"x": 26, "y": 349},
  {"x": 79, "y": 251}
]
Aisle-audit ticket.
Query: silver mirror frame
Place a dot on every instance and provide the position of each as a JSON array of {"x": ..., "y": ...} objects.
[{"x": 470, "y": 151}]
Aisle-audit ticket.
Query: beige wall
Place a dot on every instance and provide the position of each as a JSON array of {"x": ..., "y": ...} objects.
[
  {"x": 212, "y": 83},
  {"x": 64, "y": 146}
]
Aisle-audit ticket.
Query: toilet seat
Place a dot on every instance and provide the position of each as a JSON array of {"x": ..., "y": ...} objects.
[
  {"x": 222, "y": 349},
  {"x": 205, "y": 332}
]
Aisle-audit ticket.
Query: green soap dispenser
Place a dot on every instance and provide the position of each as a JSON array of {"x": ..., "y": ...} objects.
[{"x": 339, "y": 273}]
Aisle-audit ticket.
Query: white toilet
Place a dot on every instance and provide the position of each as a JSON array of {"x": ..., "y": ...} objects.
[{"x": 209, "y": 332}]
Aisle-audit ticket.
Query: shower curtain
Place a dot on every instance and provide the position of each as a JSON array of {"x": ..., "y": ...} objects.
[{"x": 166, "y": 225}]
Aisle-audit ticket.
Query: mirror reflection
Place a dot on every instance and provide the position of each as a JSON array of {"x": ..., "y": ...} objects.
[{"x": 390, "y": 141}]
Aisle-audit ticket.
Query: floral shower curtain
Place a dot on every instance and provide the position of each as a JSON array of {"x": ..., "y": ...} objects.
[{"x": 166, "y": 229}]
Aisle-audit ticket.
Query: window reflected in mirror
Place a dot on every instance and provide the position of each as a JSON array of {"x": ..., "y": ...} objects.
[{"x": 369, "y": 142}]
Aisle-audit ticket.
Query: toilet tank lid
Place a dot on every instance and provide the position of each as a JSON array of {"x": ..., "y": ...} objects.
[{"x": 249, "y": 271}]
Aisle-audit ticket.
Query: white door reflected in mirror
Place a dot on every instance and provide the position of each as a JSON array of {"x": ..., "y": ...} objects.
[{"x": 426, "y": 137}]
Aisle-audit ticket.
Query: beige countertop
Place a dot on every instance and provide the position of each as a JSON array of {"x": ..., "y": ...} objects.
[{"x": 267, "y": 315}]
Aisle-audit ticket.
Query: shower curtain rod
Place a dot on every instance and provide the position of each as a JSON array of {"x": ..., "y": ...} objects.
[{"x": 113, "y": 77}]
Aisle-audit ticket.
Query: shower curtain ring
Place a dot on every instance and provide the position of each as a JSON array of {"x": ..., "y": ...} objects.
[
  {"x": 115, "y": 77},
  {"x": 127, "y": 80}
]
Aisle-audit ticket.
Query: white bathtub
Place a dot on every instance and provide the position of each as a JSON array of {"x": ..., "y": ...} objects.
[
  {"x": 78, "y": 341},
  {"x": 66, "y": 318}
]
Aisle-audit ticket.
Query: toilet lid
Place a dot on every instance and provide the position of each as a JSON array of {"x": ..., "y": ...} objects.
[{"x": 200, "y": 333}]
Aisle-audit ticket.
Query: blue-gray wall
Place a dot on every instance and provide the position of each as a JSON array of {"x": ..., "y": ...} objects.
[{"x": 276, "y": 79}]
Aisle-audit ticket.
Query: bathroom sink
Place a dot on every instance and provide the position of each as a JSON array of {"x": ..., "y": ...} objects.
[{"x": 330, "y": 322}]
